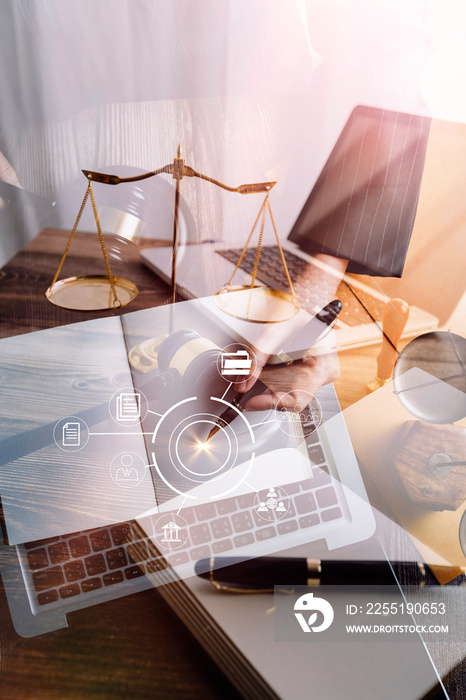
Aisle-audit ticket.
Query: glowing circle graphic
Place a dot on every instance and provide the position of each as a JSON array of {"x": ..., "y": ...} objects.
[{"x": 194, "y": 445}]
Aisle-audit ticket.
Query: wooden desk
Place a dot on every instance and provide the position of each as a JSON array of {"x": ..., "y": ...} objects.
[
  {"x": 134, "y": 647},
  {"x": 23, "y": 281}
]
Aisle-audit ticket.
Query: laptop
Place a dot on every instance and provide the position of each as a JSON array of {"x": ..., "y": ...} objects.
[
  {"x": 367, "y": 190},
  {"x": 103, "y": 493}
]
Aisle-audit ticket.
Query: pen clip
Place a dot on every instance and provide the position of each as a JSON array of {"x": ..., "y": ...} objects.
[
  {"x": 224, "y": 588},
  {"x": 229, "y": 588}
]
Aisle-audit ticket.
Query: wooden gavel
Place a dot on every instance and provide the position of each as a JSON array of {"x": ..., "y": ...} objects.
[{"x": 394, "y": 321}]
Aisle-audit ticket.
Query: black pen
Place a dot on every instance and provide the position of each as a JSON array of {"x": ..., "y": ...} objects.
[
  {"x": 328, "y": 316},
  {"x": 239, "y": 400},
  {"x": 263, "y": 573}
]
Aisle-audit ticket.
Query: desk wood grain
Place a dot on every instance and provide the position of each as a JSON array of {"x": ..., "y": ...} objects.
[{"x": 134, "y": 647}]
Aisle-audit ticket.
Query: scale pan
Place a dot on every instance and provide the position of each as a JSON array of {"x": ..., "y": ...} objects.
[
  {"x": 257, "y": 304},
  {"x": 91, "y": 293}
]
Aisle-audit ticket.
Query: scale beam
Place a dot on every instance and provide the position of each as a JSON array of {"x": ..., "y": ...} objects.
[{"x": 178, "y": 174}]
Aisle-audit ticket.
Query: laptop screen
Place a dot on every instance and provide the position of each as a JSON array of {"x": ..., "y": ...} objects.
[{"x": 364, "y": 202}]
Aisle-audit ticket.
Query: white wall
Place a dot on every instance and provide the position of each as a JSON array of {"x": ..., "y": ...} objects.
[{"x": 252, "y": 89}]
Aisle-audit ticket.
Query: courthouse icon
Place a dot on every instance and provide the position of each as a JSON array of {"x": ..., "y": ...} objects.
[{"x": 171, "y": 532}]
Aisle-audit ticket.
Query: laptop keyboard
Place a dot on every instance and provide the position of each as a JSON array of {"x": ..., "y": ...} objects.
[
  {"x": 87, "y": 564},
  {"x": 64, "y": 567},
  {"x": 271, "y": 272}
]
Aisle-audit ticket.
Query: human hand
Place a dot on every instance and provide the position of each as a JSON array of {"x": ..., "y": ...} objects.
[
  {"x": 7, "y": 174},
  {"x": 292, "y": 385}
]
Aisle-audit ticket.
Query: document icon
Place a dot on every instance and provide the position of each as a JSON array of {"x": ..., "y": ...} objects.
[
  {"x": 128, "y": 407},
  {"x": 71, "y": 435},
  {"x": 237, "y": 362}
]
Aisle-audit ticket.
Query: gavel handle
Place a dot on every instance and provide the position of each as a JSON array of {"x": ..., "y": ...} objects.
[{"x": 394, "y": 321}]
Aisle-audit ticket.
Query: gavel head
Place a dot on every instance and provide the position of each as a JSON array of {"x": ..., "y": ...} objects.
[{"x": 195, "y": 358}]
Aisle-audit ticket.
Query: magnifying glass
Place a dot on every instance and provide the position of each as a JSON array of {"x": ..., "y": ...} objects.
[
  {"x": 463, "y": 533},
  {"x": 430, "y": 377}
]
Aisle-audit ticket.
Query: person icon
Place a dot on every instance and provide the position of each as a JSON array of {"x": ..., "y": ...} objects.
[
  {"x": 127, "y": 469},
  {"x": 281, "y": 508},
  {"x": 262, "y": 507},
  {"x": 127, "y": 472},
  {"x": 271, "y": 499}
]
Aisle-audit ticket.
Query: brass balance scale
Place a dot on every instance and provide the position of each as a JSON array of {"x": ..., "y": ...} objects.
[{"x": 257, "y": 304}]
